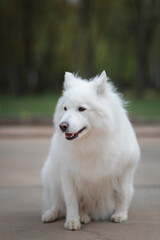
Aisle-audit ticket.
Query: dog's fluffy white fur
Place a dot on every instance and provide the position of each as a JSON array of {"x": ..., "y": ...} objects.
[{"x": 89, "y": 172}]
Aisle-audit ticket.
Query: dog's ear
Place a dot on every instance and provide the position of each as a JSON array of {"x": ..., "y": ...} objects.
[
  {"x": 100, "y": 83},
  {"x": 69, "y": 80}
]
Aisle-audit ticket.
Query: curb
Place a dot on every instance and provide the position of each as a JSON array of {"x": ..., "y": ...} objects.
[{"x": 47, "y": 131}]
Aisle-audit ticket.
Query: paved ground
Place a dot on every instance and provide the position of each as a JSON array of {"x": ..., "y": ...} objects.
[{"x": 22, "y": 153}]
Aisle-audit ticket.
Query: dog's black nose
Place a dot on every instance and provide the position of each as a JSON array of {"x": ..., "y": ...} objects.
[{"x": 63, "y": 126}]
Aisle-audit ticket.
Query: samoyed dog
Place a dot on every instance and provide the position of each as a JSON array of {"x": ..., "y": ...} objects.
[{"x": 89, "y": 172}]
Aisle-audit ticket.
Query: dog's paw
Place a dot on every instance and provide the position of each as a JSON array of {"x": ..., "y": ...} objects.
[
  {"x": 49, "y": 216},
  {"x": 72, "y": 224},
  {"x": 119, "y": 217},
  {"x": 84, "y": 218}
]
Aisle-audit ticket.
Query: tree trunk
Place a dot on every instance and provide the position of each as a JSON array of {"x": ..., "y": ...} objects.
[
  {"x": 84, "y": 48},
  {"x": 143, "y": 27}
]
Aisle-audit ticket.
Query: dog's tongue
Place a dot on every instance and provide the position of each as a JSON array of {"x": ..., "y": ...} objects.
[{"x": 69, "y": 135}]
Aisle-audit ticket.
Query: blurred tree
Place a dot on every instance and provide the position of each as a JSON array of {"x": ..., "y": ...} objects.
[
  {"x": 84, "y": 50},
  {"x": 40, "y": 40},
  {"x": 144, "y": 21},
  {"x": 29, "y": 73}
]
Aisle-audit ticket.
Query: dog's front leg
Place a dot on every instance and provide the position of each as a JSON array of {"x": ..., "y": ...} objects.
[{"x": 72, "y": 210}]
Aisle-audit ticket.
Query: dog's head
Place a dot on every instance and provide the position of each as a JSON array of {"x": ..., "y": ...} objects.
[{"x": 82, "y": 107}]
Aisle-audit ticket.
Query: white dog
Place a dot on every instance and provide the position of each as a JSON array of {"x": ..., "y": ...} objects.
[{"x": 93, "y": 156}]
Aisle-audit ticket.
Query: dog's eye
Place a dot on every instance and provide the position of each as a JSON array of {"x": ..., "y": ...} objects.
[
  {"x": 65, "y": 109},
  {"x": 81, "y": 109}
]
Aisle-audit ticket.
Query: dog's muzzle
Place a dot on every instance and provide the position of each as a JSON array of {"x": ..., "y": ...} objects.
[
  {"x": 64, "y": 126},
  {"x": 69, "y": 136}
]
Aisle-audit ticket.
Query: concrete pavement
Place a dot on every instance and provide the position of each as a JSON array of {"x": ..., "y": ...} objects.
[{"x": 21, "y": 160}]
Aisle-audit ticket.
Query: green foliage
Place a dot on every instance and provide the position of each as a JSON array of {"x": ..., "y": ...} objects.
[{"x": 40, "y": 40}]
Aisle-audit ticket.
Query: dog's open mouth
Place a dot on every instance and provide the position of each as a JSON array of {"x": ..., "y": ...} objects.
[{"x": 70, "y": 136}]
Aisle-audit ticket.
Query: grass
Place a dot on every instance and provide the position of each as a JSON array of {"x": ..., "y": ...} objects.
[
  {"x": 27, "y": 106},
  {"x": 145, "y": 108},
  {"x": 44, "y": 105}
]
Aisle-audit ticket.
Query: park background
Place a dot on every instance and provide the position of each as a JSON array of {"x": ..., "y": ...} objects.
[{"x": 40, "y": 40}]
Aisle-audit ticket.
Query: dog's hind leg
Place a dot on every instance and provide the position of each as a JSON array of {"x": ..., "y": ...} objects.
[
  {"x": 124, "y": 194},
  {"x": 51, "y": 208},
  {"x": 84, "y": 217},
  {"x": 50, "y": 215},
  {"x": 53, "y": 203}
]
